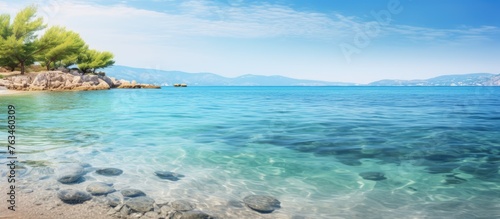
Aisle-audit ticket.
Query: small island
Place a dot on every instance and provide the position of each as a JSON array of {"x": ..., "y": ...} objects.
[{"x": 180, "y": 85}]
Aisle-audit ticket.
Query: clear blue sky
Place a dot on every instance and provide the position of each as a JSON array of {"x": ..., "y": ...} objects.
[{"x": 332, "y": 40}]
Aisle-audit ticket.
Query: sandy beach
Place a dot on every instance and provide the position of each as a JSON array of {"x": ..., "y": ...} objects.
[
  {"x": 44, "y": 204},
  {"x": 5, "y": 91}
]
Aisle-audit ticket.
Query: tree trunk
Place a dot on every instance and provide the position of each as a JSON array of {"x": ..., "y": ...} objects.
[
  {"x": 47, "y": 65},
  {"x": 22, "y": 68}
]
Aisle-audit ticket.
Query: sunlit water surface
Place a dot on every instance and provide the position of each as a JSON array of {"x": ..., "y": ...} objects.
[{"x": 438, "y": 148}]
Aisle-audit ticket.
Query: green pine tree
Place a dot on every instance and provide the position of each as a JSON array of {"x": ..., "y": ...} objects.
[
  {"x": 17, "y": 41},
  {"x": 61, "y": 45},
  {"x": 91, "y": 60}
]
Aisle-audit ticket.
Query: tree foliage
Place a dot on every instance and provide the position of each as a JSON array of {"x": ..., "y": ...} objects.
[
  {"x": 72, "y": 59},
  {"x": 91, "y": 60},
  {"x": 20, "y": 46},
  {"x": 5, "y": 28},
  {"x": 61, "y": 44},
  {"x": 17, "y": 41},
  {"x": 5, "y": 31},
  {"x": 26, "y": 24}
]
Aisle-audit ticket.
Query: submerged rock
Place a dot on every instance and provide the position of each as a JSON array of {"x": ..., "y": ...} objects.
[
  {"x": 483, "y": 170},
  {"x": 442, "y": 157},
  {"x": 182, "y": 205},
  {"x": 235, "y": 203},
  {"x": 109, "y": 171},
  {"x": 132, "y": 193},
  {"x": 70, "y": 178},
  {"x": 262, "y": 203},
  {"x": 195, "y": 215},
  {"x": 374, "y": 176},
  {"x": 350, "y": 161},
  {"x": 140, "y": 204},
  {"x": 124, "y": 211},
  {"x": 442, "y": 168},
  {"x": 166, "y": 210},
  {"x": 452, "y": 179},
  {"x": 168, "y": 175},
  {"x": 493, "y": 158},
  {"x": 72, "y": 174},
  {"x": 114, "y": 199},
  {"x": 73, "y": 196},
  {"x": 98, "y": 188}
]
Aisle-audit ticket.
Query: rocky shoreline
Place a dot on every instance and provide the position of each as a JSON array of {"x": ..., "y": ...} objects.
[{"x": 71, "y": 81}]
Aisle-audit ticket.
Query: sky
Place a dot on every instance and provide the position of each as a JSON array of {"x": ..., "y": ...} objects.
[{"x": 330, "y": 40}]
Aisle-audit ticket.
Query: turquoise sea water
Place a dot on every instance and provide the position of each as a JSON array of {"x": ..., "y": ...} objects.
[{"x": 438, "y": 147}]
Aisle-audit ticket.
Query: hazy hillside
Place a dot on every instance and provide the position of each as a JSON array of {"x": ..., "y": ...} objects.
[
  {"x": 161, "y": 77},
  {"x": 475, "y": 79}
]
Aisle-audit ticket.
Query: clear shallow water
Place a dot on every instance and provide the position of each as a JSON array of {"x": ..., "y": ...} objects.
[{"x": 438, "y": 147}]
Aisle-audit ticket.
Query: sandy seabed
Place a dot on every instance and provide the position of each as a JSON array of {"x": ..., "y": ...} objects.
[
  {"x": 39, "y": 201},
  {"x": 45, "y": 205}
]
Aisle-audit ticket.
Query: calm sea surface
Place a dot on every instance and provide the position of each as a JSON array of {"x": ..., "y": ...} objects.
[{"x": 324, "y": 152}]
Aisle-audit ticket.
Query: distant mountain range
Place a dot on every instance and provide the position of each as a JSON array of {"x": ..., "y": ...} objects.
[
  {"x": 475, "y": 79},
  {"x": 167, "y": 78}
]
